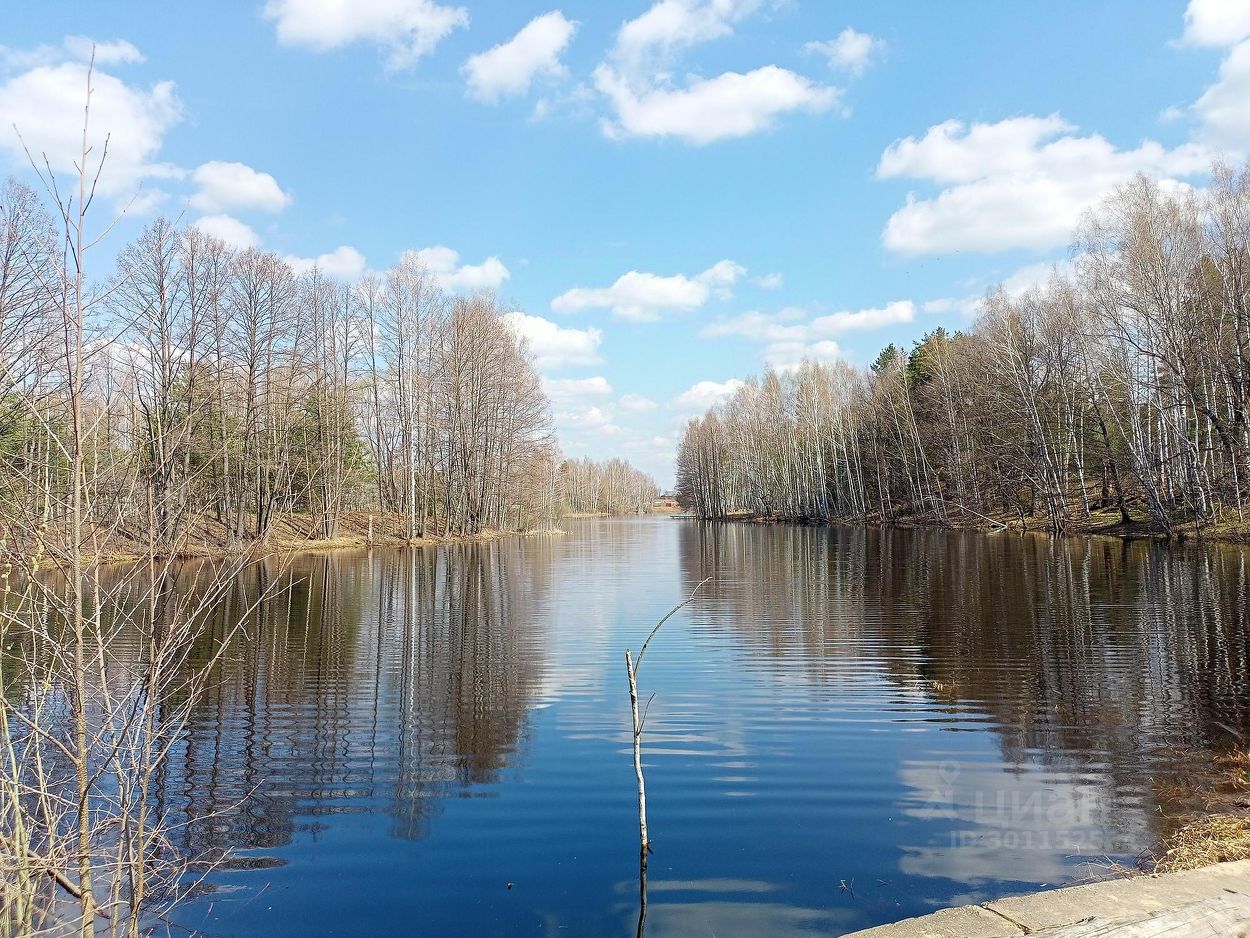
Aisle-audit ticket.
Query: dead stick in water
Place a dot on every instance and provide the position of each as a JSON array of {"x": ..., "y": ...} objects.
[{"x": 632, "y": 667}]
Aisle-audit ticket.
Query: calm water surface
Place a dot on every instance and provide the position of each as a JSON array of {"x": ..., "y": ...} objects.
[{"x": 849, "y": 727}]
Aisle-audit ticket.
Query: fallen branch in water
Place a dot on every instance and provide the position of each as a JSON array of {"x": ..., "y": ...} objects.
[{"x": 632, "y": 667}]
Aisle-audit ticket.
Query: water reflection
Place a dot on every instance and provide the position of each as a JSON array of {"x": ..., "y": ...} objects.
[
  {"x": 849, "y": 727},
  {"x": 1101, "y": 668},
  {"x": 365, "y": 683}
]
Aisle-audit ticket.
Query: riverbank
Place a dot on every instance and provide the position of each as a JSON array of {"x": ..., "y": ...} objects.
[
  {"x": 1098, "y": 523},
  {"x": 288, "y": 532}
]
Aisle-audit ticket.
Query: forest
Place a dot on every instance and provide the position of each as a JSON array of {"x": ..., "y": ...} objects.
[
  {"x": 217, "y": 389},
  {"x": 1114, "y": 396}
]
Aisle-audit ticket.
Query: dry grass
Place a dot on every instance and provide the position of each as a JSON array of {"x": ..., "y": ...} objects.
[
  {"x": 1207, "y": 840},
  {"x": 1222, "y": 831}
]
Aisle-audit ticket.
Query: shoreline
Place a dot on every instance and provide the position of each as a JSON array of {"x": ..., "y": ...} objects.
[
  {"x": 1208, "y": 900},
  {"x": 1096, "y": 526},
  {"x": 291, "y": 532}
]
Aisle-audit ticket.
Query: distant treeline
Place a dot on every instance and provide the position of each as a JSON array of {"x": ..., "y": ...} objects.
[
  {"x": 208, "y": 384},
  {"x": 613, "y": 487},
  {"x": 1123, "y": 387}
]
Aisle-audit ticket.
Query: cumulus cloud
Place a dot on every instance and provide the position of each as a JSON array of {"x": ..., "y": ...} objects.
[
  {"x": 444, "y": 264},
  {"x": 635, "y": 403},
  {"x": 789, "y": 356},
  {"x": 222, "y": 187},
  {"x": 231, "y": 230},
  {"x": 770, "y": 281},
  {"x": 706, "y": 110},
  {"x": 582, "y": 406},
  {"x": 563, "y": 390},
  {"x": 670, "y": 25},
  {"x": 1015, "y": 283},
  {"x": 704, "y": 394},
  {"x": 510, "y": 68},
  {"x": 791, "y": 324},
  {"x": 45, "y": 103},
  {"x": 344, "y": 262},
  {"x": 788, "y": 337},
  {"x": 77, "y": 48},
  {"x": 405, "y": 29},
  {"x": 1216, "y": 22},
  {"x": 1224, "y": 108},
  {"x": 851, "y": 51},
  {"x": 1020, "y": 182},
  {"x": 594, "y": 419},
  {"x": 647, "y": 102},
  {"x": 554, "y": 346},
  {"x": 642, "y": 297}
]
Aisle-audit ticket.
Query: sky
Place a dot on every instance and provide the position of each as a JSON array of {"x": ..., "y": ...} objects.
[{"x": 668, "y": 196}]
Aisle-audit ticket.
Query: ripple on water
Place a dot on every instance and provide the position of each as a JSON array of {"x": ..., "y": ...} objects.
[{"x": 848, "y": 727}]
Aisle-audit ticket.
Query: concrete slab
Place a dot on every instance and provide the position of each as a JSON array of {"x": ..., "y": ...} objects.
[
  {"x": 969, "y": 921},
  {"x": 1218, "y": 917},
  {"x": 1123, "y": 898},
  {"x": 1101, "y": 904}
]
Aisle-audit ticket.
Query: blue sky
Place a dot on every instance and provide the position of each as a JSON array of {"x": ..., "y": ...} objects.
[{"x": 672, "y": 195}]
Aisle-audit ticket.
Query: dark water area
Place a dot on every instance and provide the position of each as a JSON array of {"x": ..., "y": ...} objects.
[{"x": 849, "y": 727}]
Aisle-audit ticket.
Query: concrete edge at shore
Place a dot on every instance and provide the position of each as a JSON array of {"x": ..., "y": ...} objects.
[{"x": 1222, "y": 889}]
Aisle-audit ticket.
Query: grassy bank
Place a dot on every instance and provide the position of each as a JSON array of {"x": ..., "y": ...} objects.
[
  {"x": 287, "y": 532},
  {"x": 1213, "y": 824}
]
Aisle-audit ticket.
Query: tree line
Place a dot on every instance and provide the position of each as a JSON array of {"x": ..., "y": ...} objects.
[
  {"x": 1116, "y": 393},
  {"x": 223, "y": 384},
  {"x": 613, "y": 487}
]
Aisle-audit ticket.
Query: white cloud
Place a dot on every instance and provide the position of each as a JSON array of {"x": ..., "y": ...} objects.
[
  {"x": 553, "y": 345},
  {"x": 706, "y": 110},
  {"x": 635, "y": 403},
  {"x": 770, "y": 282},
  {"x": 788, "y": 356},
  {"x": 565, "y": 390},
  {"x": 1032, "y": 276},
  {"x": 77, "y": 48},
  {"x": 704, "y": 394},
  {"x": 892, "y": 314},
  {"x": 647, "y": 102},
  {"x": 406, "y": 29},
  {"x": 759, "y": 327},
  {"x": 671, "y": 25},
  {"x": 46, "y": 105},
  {"x": 963, "y": 305},
  {"x": 1017, "y": 282},
  {"x": 444, "y": 264},
  {"x": 222, "y": 187},
  {"x": 788, "y": 325},
  {"x": 581, "y": 405},
  {"x": 851, "y": 51},
  {"x": 721, "y": 276},
  {"x": 344, "y": 262},
  {"x": 117, "y": 52},
  {"x": 594, "y": 419},
  {"x": 510, "y": 67},
  {"x": 641, "y": 297},
  {"x": 788, "y": 337},
  {"x": 1020, "y": 182},
  {"x": 231, "y": 230},
  {"x": 1216, "y": 22},
  {"x": 1224, "y": 107}
]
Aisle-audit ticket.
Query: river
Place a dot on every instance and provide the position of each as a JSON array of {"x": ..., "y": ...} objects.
[{"x": 849, "y": 727}]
